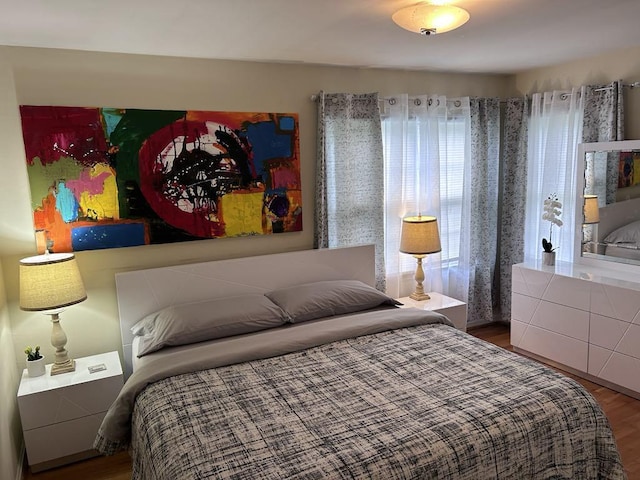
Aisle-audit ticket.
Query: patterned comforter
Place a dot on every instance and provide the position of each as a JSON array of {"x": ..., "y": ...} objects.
[{"x": 425, "y": 401}]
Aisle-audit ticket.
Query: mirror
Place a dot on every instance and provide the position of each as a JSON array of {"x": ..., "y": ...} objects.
[{"x": 609, "y": 175}]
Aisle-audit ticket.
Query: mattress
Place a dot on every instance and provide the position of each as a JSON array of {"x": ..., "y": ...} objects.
[
  {"x": 399, "y": 395},
  {"x": 622, "y": 251}
]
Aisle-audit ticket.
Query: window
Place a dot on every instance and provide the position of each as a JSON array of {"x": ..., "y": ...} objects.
[{"x": 449, "y": 154}]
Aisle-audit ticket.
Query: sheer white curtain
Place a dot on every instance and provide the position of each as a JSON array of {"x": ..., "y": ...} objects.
[
  {"x": 555, "y": 130},
  {"x": 426, "y": 151}
]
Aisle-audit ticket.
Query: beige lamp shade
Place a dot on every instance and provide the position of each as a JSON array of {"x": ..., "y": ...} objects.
[
  {"x": 591, "y": 210},
  {"x": 50, "y": 281},
  {"x": 428, "y": 19},
  {"x": 420, "y": 235}
]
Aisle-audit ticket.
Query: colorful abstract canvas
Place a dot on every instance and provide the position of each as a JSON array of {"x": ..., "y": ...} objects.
[
  {"x": 625, "y": 170},
  {"x": 108, "y": 177}
]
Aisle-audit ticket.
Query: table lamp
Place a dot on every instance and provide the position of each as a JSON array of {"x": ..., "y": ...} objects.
[
  {"x": 591, "y": 210},
  {"x": 419, "y": 238},
  {"x": 49, "y": 283}
]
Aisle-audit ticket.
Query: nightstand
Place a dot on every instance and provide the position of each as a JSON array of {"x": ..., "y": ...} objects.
[
  {"x": 453, "y": 309},
  {"x": 61, "y": 414}
]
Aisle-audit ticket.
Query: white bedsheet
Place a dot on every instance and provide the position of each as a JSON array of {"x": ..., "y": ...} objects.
[
  {"x": 622, "y": 251},
  {"x": 134, "y": 353}
]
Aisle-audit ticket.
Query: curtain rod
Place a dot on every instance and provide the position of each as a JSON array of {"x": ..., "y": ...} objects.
[{"x": 631, "y": 85}]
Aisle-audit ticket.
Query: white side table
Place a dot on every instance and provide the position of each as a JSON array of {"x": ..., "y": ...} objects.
[
  {"x": 61, "y": 414},
  {"x": 453, "y": 309}
]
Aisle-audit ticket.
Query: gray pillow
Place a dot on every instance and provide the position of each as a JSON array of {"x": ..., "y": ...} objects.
[
  {"x": 323, "y": 299},
  {"x": 197, "y": 322}
]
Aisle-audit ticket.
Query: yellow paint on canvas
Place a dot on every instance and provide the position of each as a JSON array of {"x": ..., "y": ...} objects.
[
  {"x": 101, "y": 206},
  {"x": 636, "y": 168},
  {"x": 242, "y": 213}
]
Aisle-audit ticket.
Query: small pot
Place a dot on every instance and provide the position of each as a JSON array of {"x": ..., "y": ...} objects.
[
  {"x": 549, "y": 258},
  {"x": 36, "y": 368}
]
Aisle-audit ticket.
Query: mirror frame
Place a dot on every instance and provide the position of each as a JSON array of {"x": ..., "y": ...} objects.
[{"x": 583, "y": 149}]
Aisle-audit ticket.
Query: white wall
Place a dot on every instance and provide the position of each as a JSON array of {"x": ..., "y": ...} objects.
[
  {"x": 54, "y": 77},
  {"x": 621, "y": 64},
  {"x": 10, "y": 431}
]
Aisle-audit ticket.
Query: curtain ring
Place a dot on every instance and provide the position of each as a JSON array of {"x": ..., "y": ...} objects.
[
  {"x": 417, "y": 102},
  {"x": 430, "y": 102},
  {"x": 392, "y": 101},
  {"x": 564, "y": 96},
  {"x": 437, "y": 102},
  {"x": 457, "y": 103}
]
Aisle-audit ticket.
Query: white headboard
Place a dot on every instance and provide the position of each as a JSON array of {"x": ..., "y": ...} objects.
[{"x": 145, "y": 291}]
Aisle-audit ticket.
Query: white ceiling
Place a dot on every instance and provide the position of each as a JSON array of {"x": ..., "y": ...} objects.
[{"x": 502, "y": 36}]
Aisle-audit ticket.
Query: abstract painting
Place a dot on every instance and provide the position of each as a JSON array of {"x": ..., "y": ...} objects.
[
  {"x": 110, "y": 177},
  {"x": 626, "y": 170}
]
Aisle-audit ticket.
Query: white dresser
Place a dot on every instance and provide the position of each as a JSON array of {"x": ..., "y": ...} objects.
[
  {"x": 61, "y": 414},
  {"x": 580, "y": 318}
]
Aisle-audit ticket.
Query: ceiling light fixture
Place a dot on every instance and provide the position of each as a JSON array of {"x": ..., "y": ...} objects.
[{"x": 429, "y": 19}]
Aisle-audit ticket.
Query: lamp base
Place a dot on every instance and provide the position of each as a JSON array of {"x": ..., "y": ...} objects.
[
  {"x": 66, "y": 367},
  {"x": 419, "y": 296}
]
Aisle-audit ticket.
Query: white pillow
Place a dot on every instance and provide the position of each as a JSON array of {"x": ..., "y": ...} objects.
[{"x": 629, "y": 233}]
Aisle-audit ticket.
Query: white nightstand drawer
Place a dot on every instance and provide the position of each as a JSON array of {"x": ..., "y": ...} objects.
[
  {"x": 61, "y": 414},
  {"x": 62, "y": 439},
  {"x": 454, "y": 310},
  {"x": 63, "y": 404}
]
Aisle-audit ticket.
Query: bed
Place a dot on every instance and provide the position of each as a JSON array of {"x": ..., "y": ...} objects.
[
  {"x": 618, "y": 232},
  {"x": 346, "y": 386}
]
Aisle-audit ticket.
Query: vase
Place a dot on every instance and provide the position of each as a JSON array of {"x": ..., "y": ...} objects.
[
  {"x": 549, "y": 258},
  {"x": 36, "y": 368}
]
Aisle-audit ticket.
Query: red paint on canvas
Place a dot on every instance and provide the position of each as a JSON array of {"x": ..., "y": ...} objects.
[{"x": 73, "y": 132}]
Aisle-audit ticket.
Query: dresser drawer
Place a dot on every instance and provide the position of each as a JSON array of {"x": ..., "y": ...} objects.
[
  {"x": 615, "y": 367},
  {"x": 614, "y": 334},
  {"x": 571, "y": 292},
  {"x": 551, "y": 345},
  {"x": 615, "y": 302},
  {"x": 561, "y": 319},
  {"x": 523, "y": 307},
  {"x": 526, "y": 281}
]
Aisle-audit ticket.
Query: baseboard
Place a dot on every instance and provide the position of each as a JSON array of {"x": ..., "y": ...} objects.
[
  {"x": 58, "y": 462},
  {"x": 478, "y": 325}
]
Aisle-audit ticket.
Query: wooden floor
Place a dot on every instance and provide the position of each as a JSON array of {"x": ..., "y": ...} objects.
[{"x": 623, "y": 413}]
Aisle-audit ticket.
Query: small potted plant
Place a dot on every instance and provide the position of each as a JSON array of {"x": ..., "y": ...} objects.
[
  {"x": 35, "y": 361},
  {"x": 552, "y": 212}
]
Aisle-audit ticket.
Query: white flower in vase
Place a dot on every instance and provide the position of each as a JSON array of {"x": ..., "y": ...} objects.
[{"x": 552, "y": 212}]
